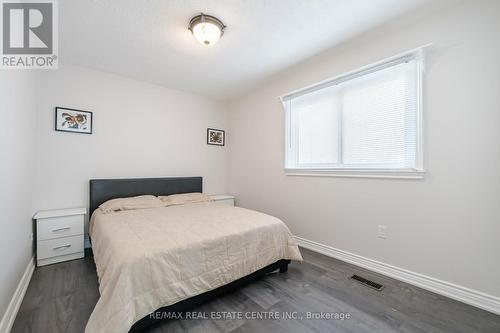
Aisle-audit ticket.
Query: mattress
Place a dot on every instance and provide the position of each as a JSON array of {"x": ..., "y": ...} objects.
[{"x": 150, "y": 258}]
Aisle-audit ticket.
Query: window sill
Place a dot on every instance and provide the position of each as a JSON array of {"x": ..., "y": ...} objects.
[{"x": 386, "y": 174}]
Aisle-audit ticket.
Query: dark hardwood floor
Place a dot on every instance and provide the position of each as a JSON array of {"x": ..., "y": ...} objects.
[{"x": 61, "y": 297}]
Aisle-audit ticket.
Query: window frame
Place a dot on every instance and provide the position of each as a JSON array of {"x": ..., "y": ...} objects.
[{"x": 339, "y": 170}]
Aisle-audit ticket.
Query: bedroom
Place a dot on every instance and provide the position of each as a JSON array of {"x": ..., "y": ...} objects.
[{"x": 274, "y": 123}]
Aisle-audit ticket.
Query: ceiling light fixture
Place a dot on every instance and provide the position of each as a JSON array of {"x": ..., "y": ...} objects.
[{"x": 206, "y": 29}]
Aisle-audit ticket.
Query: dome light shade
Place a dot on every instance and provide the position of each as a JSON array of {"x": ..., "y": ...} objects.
[{"x": 206, "y": 29}]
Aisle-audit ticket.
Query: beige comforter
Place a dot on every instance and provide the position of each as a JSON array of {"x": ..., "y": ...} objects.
[{"x": 149, "y": 258}]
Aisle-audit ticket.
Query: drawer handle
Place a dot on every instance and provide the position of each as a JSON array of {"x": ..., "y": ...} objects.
[
  {"x": 61, "y": 229},
  {"x": 61, "y": 247}
]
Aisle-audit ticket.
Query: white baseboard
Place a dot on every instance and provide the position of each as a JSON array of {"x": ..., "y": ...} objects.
[
  {"x": 17, "y": 298},
  {"x": 469, "y": 296}
]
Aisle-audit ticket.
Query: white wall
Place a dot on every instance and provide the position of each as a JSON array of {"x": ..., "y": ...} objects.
[
  {"x": 17, "y": 155},
  {"x": 445, "y": 226},
  {"x": 140, "y": 130}
]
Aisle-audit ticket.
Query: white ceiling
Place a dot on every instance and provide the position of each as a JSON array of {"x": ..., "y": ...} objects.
[{"x": 149, "y": 40}]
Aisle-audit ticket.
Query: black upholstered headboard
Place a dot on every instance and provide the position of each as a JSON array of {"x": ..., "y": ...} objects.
[{"x": 102, "y": 190}]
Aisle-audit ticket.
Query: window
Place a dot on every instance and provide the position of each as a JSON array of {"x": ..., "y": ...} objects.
[{"x": 366, "y": 122}]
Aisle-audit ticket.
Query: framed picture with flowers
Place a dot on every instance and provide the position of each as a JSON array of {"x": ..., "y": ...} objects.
[
  {"x": 216, "y": 137},
  {"x": 72, "y": 120}
]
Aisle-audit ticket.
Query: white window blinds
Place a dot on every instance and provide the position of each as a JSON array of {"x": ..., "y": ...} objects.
[{"x": 368, "y": 120}]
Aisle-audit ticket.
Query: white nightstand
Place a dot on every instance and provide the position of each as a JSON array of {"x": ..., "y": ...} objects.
[
  {"x": 59, "y": 235},
  {"x": 224, "y": 198}
]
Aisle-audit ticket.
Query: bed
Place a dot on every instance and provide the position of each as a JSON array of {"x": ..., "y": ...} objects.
[{"x": 170, "y": 259}]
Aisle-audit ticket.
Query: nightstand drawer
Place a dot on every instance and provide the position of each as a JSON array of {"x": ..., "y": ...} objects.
[
  {"x": 229, "y": 202},
  {"x": 59, "y": 247},
  {"x": 226, "y": 199},
  {"x": 57, "y": 227}
]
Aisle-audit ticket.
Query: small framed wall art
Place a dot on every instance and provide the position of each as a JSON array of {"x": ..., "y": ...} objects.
[
  {"x": 72, "y": 120},
  {"x": 216, "y": 137}
]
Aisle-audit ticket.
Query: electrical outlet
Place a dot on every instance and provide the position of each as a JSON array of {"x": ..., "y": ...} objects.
[{"x": 382, "y": 231}]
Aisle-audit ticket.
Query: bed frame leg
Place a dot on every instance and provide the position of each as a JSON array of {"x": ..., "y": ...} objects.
[{"x": 284, "y": 266}]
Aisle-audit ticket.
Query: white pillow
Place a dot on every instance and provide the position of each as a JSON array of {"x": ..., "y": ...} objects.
[
  {"x": 139, "y": 202},
  {"x": 186, "y": 198}
]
